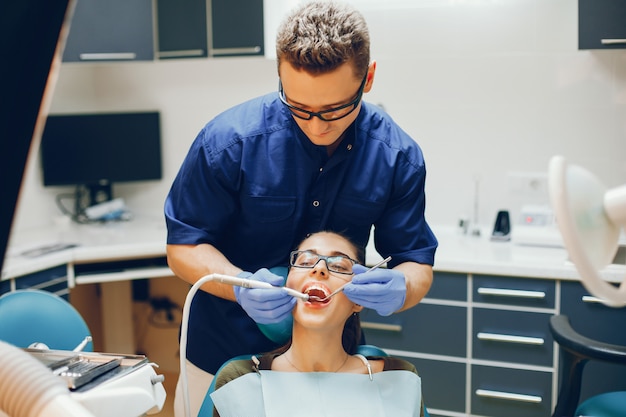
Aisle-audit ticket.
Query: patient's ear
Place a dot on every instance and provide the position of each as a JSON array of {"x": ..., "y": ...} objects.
[{"x": 357, "y": 308}]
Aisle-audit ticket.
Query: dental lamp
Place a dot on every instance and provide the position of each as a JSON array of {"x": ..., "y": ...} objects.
[{"x": 590, "y": 218}]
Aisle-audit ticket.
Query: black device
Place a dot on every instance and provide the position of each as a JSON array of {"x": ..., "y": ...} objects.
[
  {"x": 30, "y": 37},
  {"x": 502, "y": 227},
  {"x": 97, "y": 150}
]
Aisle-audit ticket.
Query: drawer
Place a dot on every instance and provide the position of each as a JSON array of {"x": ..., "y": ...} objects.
[
  {"x": 499, "y": 392},
  {"x": 514, "y": 291},
  {"x": 443, "y": 383},
  {"x": 512, "y": 336},
  {"x": 111, "y": 267},
  {"x": 448, "y": 286},
  {"x": 591, "y": 318},
  {"x": 5, "y": 286},
  {"x": 53, "y": 280},
  {"x": 428, "y": 328}
]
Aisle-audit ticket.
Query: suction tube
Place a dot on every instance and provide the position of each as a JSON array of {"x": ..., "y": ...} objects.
[{"x": 29, "y": 389}]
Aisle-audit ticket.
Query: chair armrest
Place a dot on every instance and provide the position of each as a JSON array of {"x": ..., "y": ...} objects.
[
  {"x": 584, "y": 347},
  {"x": 576, "y": 351}
]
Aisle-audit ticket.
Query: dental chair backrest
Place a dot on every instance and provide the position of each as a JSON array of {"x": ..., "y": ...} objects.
[{"x": 35, "y": 316}]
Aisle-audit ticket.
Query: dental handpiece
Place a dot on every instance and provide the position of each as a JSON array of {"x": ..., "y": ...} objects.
[{"x": 250, "y": 283}]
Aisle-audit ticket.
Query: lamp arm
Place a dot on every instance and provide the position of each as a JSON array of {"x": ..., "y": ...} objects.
[
  {"x": 590, "y": 219},
  {"x": 615, "y": 205}
]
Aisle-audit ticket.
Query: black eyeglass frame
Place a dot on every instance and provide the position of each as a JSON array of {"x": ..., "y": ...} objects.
[
  {"x": 320, "y": 114},
  {"x": 294, "y": 254}
]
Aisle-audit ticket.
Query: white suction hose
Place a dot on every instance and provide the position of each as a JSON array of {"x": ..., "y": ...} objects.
[
  {"x": 29, "y": 389},
  {"x": 183, "y": 333}
]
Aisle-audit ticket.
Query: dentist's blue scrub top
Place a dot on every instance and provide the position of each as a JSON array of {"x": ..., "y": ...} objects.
[{"x": 253, "y": 186}]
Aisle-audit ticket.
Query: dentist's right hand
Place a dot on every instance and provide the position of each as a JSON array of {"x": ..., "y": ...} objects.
[{"x": 265, "y": 306}]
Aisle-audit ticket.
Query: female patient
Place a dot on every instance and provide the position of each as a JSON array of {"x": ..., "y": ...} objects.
[{"x": 319, "y": 370}]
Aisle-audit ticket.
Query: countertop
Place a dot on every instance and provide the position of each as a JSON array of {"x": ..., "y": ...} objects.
[
  {"x": 145, "y": 237},
  {"x": 480, "y": 255},
  {"x": 135, "y": 239}
]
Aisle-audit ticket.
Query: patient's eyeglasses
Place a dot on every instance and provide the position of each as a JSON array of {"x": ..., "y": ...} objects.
[
  {"x": 336, "y": 263},
  {"x": 329, "y": 115}
]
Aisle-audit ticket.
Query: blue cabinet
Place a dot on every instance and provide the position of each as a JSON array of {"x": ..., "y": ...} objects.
[
  {"x": 601, "y": 24},
  {"x": 512, "y": 348},
  {"x": 481, "y": 344},
  {"x": 236, "y": 27},
  {"x": 433, "y": 336},
  {"x": 111, "y": 30},
  {"x": 52, "y": 279},
  {"x": 120, "y": 30},
  {"x": 182, "y": 28}
]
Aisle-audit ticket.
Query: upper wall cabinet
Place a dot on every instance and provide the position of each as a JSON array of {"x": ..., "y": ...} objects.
[
  {"x": 107, "y": 30},
  {"x": 182, "y": 28},
  {"x": 601, "y": 24},
  {"x": 111, "y": 30},
  {"x": 236, "y": 27}
]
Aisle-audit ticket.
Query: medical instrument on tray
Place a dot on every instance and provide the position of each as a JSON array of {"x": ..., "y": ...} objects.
[
  {"x": 250, "y": 283},
  {"x": 387, "y": 259}
]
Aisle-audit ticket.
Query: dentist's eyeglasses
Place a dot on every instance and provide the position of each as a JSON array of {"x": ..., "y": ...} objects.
[
  {"x": 329, "y": 115},
  {"x": 336, "y": 263}
]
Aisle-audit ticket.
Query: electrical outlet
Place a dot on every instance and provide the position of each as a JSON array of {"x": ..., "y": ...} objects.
[{"x": 528, "y": 182}]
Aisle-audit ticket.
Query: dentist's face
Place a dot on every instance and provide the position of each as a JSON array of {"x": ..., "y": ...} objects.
[{"x": 321, "y": 93}]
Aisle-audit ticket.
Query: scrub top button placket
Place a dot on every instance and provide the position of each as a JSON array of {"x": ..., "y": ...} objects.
[{"x": 318, "y": 192}]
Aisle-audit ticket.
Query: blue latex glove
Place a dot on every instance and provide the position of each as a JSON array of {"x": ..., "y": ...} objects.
[
  {"x": 265, "y": 306},
  {"x": 383, "y": 290}
]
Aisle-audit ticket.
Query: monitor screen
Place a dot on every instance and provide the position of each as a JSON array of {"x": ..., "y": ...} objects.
[{"x": 102, "y": 148}]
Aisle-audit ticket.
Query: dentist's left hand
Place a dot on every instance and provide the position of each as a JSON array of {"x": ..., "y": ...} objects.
[
  {"x": 265, "y": 306},
  {"x": 383, "y": 290}
]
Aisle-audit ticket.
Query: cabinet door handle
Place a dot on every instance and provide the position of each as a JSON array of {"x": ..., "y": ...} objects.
[
  {"x": 181, "y": 53},
  {"x": 381, "y": 326},
  {"x": 524, "y": 340},
  {"x": 113, "y": 56},
  {"x": 613, "y": 41},
  {"x": 247, "y": 50},
  {"x": 591, "y": 299},
  {"x": 503, "y": 292},
  {"x": 509, "y": 396}
]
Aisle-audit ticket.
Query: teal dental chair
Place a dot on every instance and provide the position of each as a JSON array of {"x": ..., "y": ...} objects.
[
  {"x": 576, "y": 351},
  {"x": 29, "y": 317},
  {"x": 206, "y": 410}
]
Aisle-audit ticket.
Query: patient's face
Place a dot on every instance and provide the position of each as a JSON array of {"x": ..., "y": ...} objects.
[{"x": 320, "y": 281}]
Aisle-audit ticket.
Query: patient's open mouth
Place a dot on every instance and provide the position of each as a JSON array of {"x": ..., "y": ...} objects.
[{"x": 317, "y": 294}]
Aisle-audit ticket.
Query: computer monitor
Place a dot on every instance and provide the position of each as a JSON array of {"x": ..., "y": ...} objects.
[{"x": 94, "y": 151}]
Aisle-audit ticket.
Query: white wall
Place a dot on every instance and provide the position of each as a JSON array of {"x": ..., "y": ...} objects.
[{"x": 487, "y": 87}]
